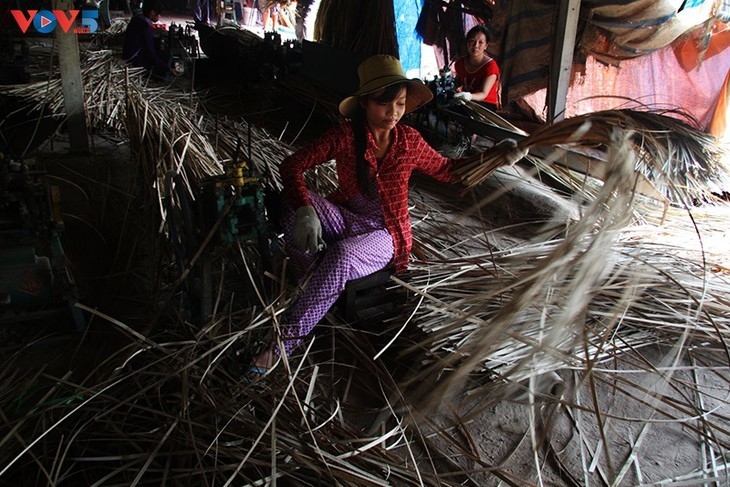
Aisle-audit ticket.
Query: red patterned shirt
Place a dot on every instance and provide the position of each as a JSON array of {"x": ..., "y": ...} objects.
[{"x": 408, "y": 152}]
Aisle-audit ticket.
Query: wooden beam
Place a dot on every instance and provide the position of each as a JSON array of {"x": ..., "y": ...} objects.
[
  {"x": 562, "y": 61},
  {"x": 72, "y": 83}
]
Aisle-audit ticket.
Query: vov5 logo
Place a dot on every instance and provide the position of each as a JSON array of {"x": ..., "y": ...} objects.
[{"x": 45, "y": 21}]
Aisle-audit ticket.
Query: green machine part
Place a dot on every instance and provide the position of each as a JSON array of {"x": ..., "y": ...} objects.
[{"x": 246, "y": 216}]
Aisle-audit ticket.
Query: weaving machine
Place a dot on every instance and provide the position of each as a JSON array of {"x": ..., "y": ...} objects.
[
  {"x": 36, "y": 282},
  {"x": 178, "y": 46}
]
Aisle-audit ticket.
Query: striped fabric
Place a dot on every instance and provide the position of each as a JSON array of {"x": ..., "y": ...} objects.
[{"x": 527, "y": 48}]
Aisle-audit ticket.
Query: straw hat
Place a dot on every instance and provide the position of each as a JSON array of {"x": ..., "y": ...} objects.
[{"x": 382, "y": 70}]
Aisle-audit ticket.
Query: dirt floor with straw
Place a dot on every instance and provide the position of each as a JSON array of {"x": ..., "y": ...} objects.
[
  {"x": 655, "y": 413},
  {"x": 499, "y": 436}
]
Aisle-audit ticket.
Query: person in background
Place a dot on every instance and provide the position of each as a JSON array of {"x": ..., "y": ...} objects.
[
  {"x": 364, "y": 225},
  {"x": 476, "y": 73},
  {"x": 139, "y": 42},
  {"x": 201, "y": 11},
  {"x": 270, "y": 16}
]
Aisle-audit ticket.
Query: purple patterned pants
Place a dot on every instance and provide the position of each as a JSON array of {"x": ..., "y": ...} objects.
[{"x": 358, "y": 244}]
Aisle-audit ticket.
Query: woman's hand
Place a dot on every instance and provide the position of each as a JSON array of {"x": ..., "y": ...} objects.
[
  {"x": 307, "y": 230},
  {"x": 512, "y": 151}
]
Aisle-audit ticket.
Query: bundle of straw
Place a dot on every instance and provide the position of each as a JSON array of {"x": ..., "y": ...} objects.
[
  {"x": 105, "y": 77},
  {"x": 682, "y": 161}
]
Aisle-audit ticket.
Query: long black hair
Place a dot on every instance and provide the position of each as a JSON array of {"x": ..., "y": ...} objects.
[{"x": 360, "y": 136}]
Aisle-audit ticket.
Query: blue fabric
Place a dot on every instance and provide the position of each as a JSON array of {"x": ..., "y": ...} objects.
[
  {"x": 409, "y": 43},
  {"x": 688, "y": 4}
]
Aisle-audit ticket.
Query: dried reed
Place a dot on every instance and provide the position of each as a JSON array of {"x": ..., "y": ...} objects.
[{"x": 682, "y": 161}]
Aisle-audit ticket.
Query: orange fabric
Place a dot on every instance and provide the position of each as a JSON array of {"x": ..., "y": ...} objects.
[
  {"x": 688, "y": 53},
  {"x": 718, "y": 123}
]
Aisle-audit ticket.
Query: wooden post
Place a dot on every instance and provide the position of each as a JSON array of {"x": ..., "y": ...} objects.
[
  {"x": 71, "y": 81},
  {"x": 562, "y": 62}
]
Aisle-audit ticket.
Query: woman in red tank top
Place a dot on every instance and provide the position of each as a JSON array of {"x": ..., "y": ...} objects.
[{"x": 477, "y": 73}]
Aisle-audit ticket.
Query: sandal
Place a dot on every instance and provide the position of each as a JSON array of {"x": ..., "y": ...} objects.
[{"x": 258, "y": 370}]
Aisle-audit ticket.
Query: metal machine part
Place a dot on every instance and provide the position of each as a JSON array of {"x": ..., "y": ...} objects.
[
  {"x": 14, "y": 55},
  {"x": 227, "y": 216},
  {"x": 455, "y": 121},
  {"x": 178, "y": 45},
  {"x": 245, "y": 55},
  {"x": 35, "y": 278},
  {"x": 443, "y": 86},
  {"x": 279, "y": 58},
  {"x": 245, "y": 217}
]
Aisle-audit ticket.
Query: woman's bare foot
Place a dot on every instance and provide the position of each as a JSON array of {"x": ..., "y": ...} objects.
[{"x": 263, "y": 362}]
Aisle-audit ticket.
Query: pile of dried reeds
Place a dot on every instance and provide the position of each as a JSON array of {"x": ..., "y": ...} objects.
[
  {"x": 610, "y": 290},
  {"x": 115, "y": 30},
  {"x": 636, "y": 330},
  {"x": 681, "y": 160},
  {"x": 105, "y": 78},
  {"x": 164, "y": 126}
]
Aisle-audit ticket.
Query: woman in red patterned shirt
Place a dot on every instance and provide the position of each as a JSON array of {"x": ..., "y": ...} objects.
[{"x": 364, "y": 225}]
